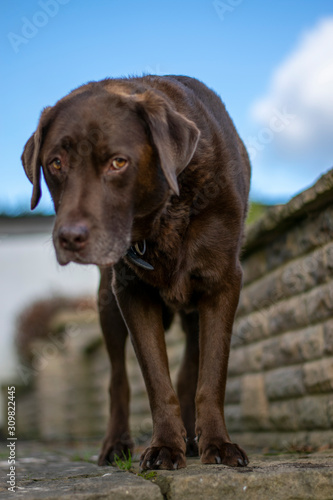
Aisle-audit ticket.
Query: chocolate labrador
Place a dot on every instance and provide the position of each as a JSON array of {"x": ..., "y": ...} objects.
[{"x": 150, "y": 182}]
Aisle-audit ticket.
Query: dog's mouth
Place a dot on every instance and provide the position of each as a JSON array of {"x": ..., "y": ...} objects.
[
  {"x": 100, "y": 257},
  {"x": 77, "y": 258},
  {"x": 65, "y": 258}
]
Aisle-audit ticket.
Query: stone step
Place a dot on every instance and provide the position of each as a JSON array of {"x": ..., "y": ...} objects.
[{"x": 60, "y": 472}]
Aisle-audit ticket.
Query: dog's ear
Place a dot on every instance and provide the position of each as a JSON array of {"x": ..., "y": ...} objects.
[
  {"x": 31, "y": 160},
  {"x": 174, "y": 136}
]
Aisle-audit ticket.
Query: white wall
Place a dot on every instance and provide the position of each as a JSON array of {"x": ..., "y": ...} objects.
[{"x": 28, "y": 272}]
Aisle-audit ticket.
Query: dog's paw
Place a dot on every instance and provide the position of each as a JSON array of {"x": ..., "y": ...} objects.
[
  {"x": 162, "y": 457},
  {"x": 224, "y": 453},
  {"x": 111, "y": 449}
]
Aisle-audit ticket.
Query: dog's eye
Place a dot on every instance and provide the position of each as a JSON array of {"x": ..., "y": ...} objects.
[
  {"x": 56, "y": 163},
  {"x": 118, "y": 163}
]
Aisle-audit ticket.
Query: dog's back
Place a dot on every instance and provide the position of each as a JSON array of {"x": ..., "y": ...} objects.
[{"x": 207, "y": 110}]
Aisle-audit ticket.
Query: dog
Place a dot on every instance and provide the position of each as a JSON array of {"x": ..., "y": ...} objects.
[{"x": 150, "y": 182}]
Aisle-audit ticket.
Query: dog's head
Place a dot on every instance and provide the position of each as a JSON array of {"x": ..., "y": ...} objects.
[{"x": 109, "y": 157}]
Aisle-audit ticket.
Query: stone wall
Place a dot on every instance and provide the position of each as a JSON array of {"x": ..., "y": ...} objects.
[
  {"x": 64, "y": 394},
  {"x": 280, "y": 385}
]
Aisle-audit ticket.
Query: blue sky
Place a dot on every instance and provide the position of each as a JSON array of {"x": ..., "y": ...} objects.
[{"x": 256, "y": 54}]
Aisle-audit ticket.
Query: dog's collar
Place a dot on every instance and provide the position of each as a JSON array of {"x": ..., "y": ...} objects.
[{"x": 135, "y": 253}]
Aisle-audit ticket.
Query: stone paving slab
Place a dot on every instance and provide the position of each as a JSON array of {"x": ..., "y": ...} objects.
[
  {"x": 62, "y": 478},
  {"x": 111, "y": 485},
  {"x": 279, "y": 478},
  {"x": 60, "y": 471}
]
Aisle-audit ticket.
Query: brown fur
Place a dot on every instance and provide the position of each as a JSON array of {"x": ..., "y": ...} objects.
[{"x": 184, "y": 190}]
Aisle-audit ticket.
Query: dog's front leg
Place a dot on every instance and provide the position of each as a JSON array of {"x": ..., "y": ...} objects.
[
  {"x": 141, "y": 308},
  {"x": 117, "y": 440},
  {"x": 216, "y": 316}
]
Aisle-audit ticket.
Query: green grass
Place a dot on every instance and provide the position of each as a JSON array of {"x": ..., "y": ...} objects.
[
  {"x": 148, "y": 474},
  {"x": 124, "y": 463},
  {"x": 256, "y": 210}
]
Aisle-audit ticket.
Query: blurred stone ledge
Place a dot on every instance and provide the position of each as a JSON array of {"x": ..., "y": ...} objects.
[{"x": 279, "y": 218}]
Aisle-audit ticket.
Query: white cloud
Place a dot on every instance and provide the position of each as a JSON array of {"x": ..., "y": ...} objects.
[{"x": 303, "y": 85}]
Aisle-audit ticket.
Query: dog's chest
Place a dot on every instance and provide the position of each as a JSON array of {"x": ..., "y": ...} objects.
[
  {"x": 177, "y": 286},
  {"x": 180, "y": 296},
  {"x": 177, "y": 274}
]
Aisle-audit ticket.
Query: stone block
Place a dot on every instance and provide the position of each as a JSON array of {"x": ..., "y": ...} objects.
[
  {"x": 330, "y": 411},
  {"x": 283, "y": 415},
  {"x": 303, "y": 274},
  {"x": 279, "y": 251},
  {"x": 233, "y": 418},
  {"x": 319, "y": 303},
  {"x": 320, "y": 438},
  {"x": 246, "y": 359},
  {"x": 254, "y": 404},
  {"x": 318, "y": 376},
  {"x": 263, "y": 293},
  {"x": 287, "y": 315},
  {"x": 237, "y": 361},
  {"x": 311, "y": 342},
  {"x": 328, "y": 337},
  {"x": 243, "y": 304},
  {"x": 250, "y": 328},
  {"x": 233, "y": 391},
  {"x": 254, "y": 357},
  {"x": 316, "y": 230},
  {"x": 276, "y": 317},
  {"x": 292, "y": 279},
  {"x": 254, "y": 266},
  {"x": 285, "y": 440},
  {"x": 329, "y": 257},
  {"x": 293, "y": 347},
  {"x": 312, "y": 412},
  {"x": 283, "y": 383},
  {"x": 271, "y": 353},
  {"x": 306, "y": 235}
]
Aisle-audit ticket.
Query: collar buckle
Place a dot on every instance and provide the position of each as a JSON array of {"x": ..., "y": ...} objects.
[{"x": 135, "y": 253}]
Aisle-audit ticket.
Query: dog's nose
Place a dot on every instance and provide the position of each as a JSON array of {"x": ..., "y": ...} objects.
[{"x": 73, "y": 237}]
